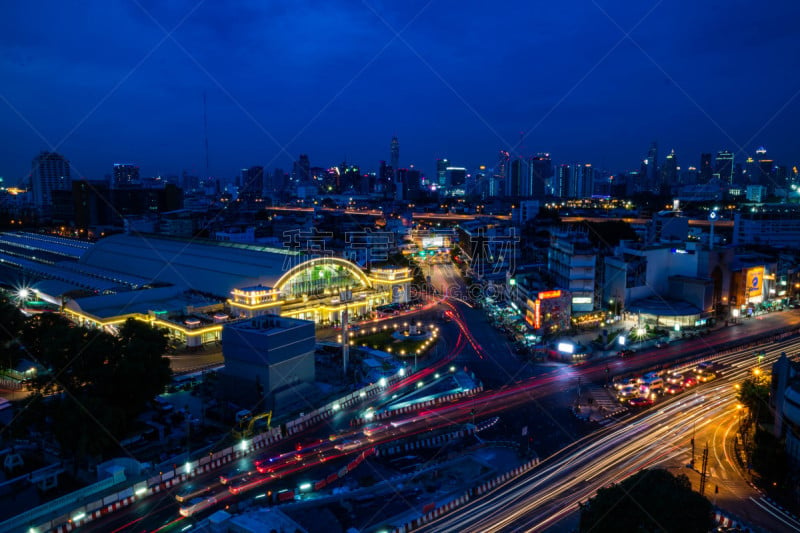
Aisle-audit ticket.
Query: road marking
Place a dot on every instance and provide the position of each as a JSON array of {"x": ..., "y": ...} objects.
[{"x": 773, "y": 512}]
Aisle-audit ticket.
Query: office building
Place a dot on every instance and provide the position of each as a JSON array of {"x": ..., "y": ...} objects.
[
  {"x": 252, "y": 187},
  {"x": 669, "y": 173},
  {"x": 705, "y": 172},
  {"x": 650, "y": 167},
  {"x": 125, "y": 175},
  {"x": 395, "y": 153},
  {"x": 441, "y": 173},
  {"x": 49, "y": 171},
  {"x": 541, "y": 168},
  {"x": 572, "y": 262},
  {"x": 724, "y": 166},
  {"x": 267, "y": 354}
]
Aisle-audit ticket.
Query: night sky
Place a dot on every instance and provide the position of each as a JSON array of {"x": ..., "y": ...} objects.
[{"x": 107, "y": 82}]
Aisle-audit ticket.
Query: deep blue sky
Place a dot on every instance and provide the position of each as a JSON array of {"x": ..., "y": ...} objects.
[{"x": 102, "y": 83}]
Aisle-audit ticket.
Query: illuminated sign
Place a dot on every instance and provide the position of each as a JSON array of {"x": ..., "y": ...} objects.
[
  {"x": 537, "y": 310},
  {"x": 530, "y": 318},
  {"x": 754, "y": 281},
  {"x": 581, "y": 300},
  {"x": 565, "y": 347},
  {"x": 549, "y": 294}
]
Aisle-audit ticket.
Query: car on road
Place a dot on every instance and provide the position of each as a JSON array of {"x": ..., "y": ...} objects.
[
  {"x": 627, "y": 392},
  {"x": 197, "y": 505},
  {"x": 675, "y": 378},
  {"x": 232, "y": 474},
  {"x": 689, "y": 381},
  {"x": 705, "y": 377},
  {"x": 374, "y": 429},
  {"x": 622, "y": 383},
  {"x": 662, "y": 344},
  {"x": 191, "y": 491},
  {"x": 674, "y": 388},
  {"x": 641, "y": 401},
  {"x": 245, "y": 483}
]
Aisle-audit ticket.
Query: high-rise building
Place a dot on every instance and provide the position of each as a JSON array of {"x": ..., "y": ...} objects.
[
  {"x": 724, "y": 166},
  {"x": 456, "y": 177},
  {"x": 517, "y": 176},
  {"x": 705, "y": 172},
  {"x": 669, "y": 172},
  {"x": 441, "y": 173},
  {"x": 764, "y": 169},
  {"x": 125, "y": 175},
  {"x": 301, "y": 171},
  {"x": 541, "y": 167},
  {"x": 650, "y": 166},
  {"x": 395, "y": 149},
  {"x": 252, "y": 186},
  {"x": 49, "y": 172},
  {"x": 498, "y": 184}
]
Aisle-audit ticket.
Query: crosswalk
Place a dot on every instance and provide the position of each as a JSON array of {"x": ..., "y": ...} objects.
[{"x": 604, "y": 400}]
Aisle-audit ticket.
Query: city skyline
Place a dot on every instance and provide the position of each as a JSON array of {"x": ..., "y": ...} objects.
[{"x": 339, "y": 82}]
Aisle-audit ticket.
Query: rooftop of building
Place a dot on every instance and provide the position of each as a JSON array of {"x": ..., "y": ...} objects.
[
  {"x": 267, "y": 324},
  {"x": 663, "y": 307},
  {"x": 208, "y": 266},
  {"x": 163, "y": 300}
]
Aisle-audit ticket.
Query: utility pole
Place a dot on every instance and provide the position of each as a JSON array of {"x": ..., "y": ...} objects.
[
  {"x": 691, "y": 464},
  {"x": 704, "y": 472}
]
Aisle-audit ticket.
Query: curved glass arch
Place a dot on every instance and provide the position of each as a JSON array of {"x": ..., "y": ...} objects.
[{"x": 313, "y": 277}]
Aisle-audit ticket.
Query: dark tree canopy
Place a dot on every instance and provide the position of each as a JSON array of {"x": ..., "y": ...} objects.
[
  {"x": 651, "y": 500},
  {"x": 97, "y": 382},
  {"x": 11, "y": 323},
  {"x": 754, "y": 394}
]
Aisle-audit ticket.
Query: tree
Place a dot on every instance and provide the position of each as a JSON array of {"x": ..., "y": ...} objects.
[
  {"x": 651, "y": 500},
  {"x": 139, "y": 371},
  {"x": 97, "y": 382},
  {"x": 754, "y": 394},
  {"x": 11, "y": 323}
]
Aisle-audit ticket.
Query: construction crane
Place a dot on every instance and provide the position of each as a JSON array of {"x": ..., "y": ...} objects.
[{"x": 249, "y": 425}]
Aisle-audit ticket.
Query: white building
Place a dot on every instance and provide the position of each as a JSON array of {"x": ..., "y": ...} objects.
[{"x": 572, "y": 261}]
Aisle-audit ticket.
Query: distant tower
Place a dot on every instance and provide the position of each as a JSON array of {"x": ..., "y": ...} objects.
[
  {"x": 302, "y": 169},
  {"x": 541, "y": 169},
  {"x": 764, "y": 169},
  {"x": 705, "y": 171},
  {"x": 669, "y": 172},
  {"x": 651, "y": 166},
  {"x": 498, "y": 185},
  {"x": 724, "y": 166},
  {"x": 125, "y": 175},
  {"x": 441, "y": 173},
  {"x": 395, "y": 155},
  {"x": 49, "y": 172}
]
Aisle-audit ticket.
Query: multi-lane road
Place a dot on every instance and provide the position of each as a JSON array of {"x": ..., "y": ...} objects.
[{"x": 658, "y": 437}]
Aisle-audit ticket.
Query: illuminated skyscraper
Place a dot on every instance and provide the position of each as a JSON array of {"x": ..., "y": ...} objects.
[
  {"x": 49, "y": 172},
  {"x": 441, "y": 173},
  {"x": 561, "y": 188}
]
